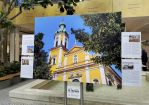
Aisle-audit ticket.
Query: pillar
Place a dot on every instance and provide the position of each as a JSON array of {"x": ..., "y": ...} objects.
[
  {"x": 87, "y": 70},
  {"x": 17, "y": 45},
  {"x": 12, "y": 47}
]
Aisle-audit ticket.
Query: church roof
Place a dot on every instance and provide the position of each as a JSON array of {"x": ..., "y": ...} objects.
[
  {"x": 62, "y": 30},
  {"x": 62, "y": 23},
  {"x": 74, "y": 49},
  {"x": 58, "y": 47}
]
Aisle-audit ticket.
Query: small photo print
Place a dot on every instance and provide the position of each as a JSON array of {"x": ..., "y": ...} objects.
[
  {"x": 25, "y": 61},
  {"x": 30, "y": 49},
  {"x": 128, "y": 66},
  {"x": 134, "y": 38}
]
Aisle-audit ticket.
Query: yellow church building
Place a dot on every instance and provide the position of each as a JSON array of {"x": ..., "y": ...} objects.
[{"x": 75, "y": 64}]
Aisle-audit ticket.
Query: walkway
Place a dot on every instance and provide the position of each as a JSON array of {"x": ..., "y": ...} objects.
[{"x": 4, "y": 93}]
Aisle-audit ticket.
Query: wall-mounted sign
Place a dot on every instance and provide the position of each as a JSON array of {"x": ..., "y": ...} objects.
[{"x": 73, "y": 92}]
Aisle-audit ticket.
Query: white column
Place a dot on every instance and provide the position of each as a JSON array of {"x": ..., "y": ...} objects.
[
  {"x": 102, "y": 72},
  {"x": 60, "y": 57},
  {"x": 17, "y": 45},
  {"x": 87, "y": 75},
  {"x": 59, "y": 40},
  {"x": 63, "y": 40},
  {"x": 87, "y": 70},
  {"x": 12, "y": 47}
]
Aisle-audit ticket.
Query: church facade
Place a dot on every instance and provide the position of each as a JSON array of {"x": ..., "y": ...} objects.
[{"x": 74, "y": 64}]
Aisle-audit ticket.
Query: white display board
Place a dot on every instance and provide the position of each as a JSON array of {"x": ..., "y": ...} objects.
[
  {"x": 131, "y": 72},
  {"x": 28, "y": 44},
  {"x": 73, "y": 92},
  {"x": 131, "y": 45},
  {"x": 27, "y": 67},
  {"x": 27, "y": 57}
]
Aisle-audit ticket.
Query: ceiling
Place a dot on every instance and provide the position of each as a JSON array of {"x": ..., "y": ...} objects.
[
  {"x": 133, "y": 24},
  {"x": 138, "y": 24}
]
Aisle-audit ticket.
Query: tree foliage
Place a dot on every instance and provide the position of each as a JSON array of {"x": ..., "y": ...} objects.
[
  {"x": 105, "y": 39},
  {"x": 41, "y": 66},
  {"x": 9, "y": 6}
]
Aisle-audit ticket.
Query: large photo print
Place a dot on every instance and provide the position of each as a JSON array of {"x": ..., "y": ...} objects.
[{"x": 79, "y": 48}]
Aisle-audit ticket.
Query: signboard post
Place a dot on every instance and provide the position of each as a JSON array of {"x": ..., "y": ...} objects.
[
  {"x": 65, "y": 92},
  {"x": 81, "y": 93}
]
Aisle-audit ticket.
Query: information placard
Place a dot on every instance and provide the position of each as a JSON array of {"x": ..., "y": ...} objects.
[
  {"x": 27, "y": 56},
  {"x": 28, "y": 44},
  {"x": 73, "y": 92},
  {"x": 27, "y": 67},
  {"x": 131, "y": 45},
  {"x": 131, "y": 72}
]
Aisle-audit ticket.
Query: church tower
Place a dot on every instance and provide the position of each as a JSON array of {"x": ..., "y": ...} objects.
[
  {"x": 60, "y": 47},
  {"x": 61, "y": 36}
]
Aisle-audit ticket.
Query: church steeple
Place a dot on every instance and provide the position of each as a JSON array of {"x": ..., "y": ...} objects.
[{"x": 61, "y": 36}]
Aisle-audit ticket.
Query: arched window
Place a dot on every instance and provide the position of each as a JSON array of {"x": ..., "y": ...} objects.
[
  {"x": 65, "y": 42},
  {"x": 61, "y": 43},
  {"x": 56, "y": 42},
  {"x": 96, "y": 81},
  {"x": 75, "y": 59},
  {"x": 75, "y": 80},
  {"x": 54, "y": 61}
]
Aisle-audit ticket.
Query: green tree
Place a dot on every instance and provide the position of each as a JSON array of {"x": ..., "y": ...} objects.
[
  {"x": 9, "y": 6},
  {"x": 41, "y": 65},
  {"x": 105, "y": 39}
]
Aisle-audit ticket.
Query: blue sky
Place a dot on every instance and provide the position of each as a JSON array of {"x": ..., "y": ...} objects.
[{"x": 49, "y": 25}]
